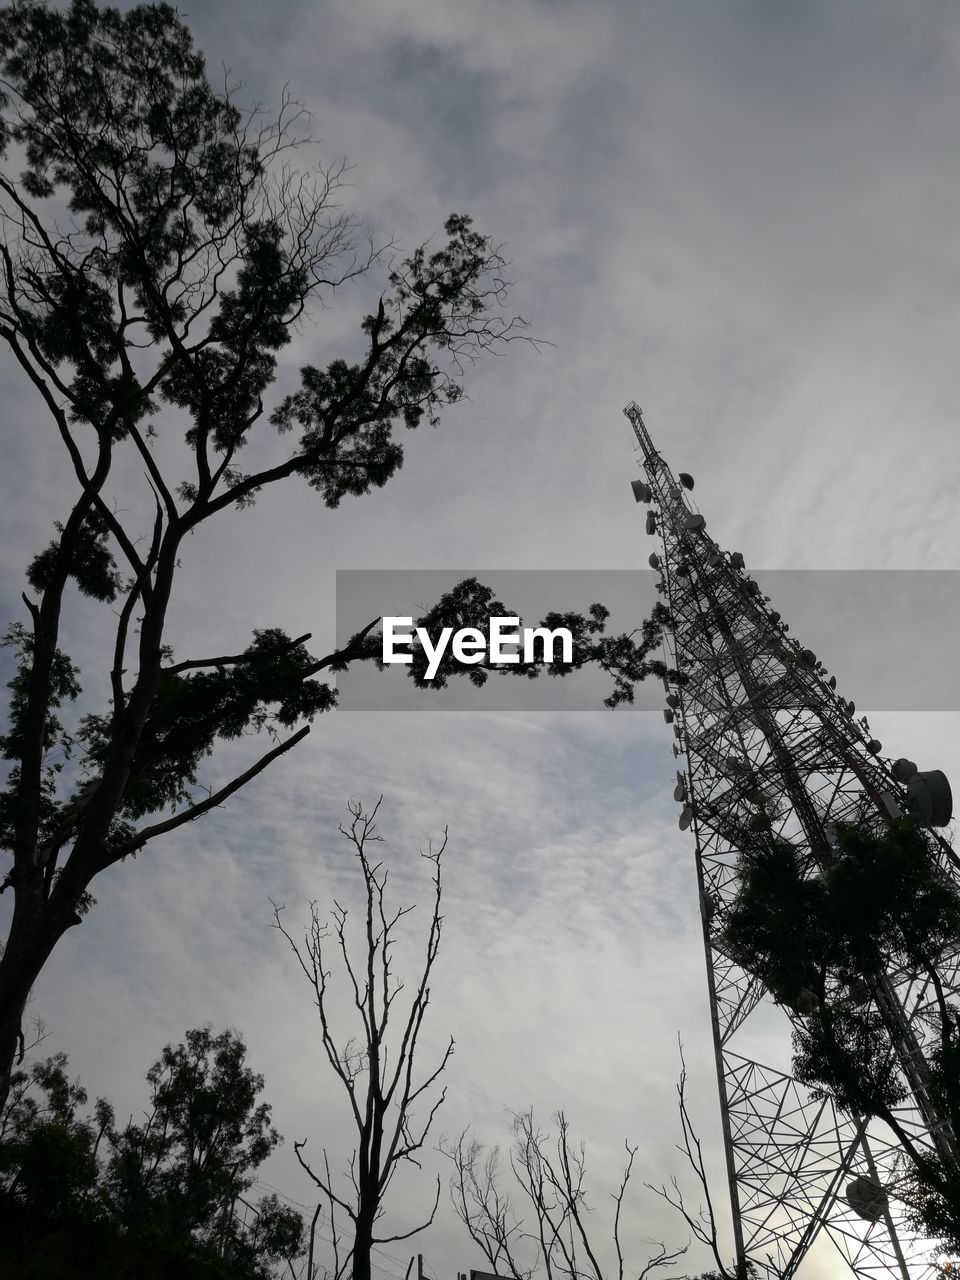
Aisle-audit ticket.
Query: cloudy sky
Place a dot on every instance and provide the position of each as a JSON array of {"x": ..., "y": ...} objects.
[{"x": 743, "y": 216}]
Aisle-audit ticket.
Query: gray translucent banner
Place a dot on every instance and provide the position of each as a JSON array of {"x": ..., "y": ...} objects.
[{"x": 889, "y": 636}]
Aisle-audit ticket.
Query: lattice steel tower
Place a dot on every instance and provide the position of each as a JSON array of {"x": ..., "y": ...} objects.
[{"x": 760, "y": 728}]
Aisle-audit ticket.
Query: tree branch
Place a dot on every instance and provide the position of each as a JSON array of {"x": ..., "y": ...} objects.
[{"x": 140, "y": 838}]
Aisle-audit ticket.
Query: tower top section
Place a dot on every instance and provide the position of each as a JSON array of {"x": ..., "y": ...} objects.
[{"x": 635, "y": 414}]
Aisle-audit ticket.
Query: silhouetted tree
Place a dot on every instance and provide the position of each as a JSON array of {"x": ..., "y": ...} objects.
[
  {"x": 156, "y": 252},
  {"x": 821, "y": 943},
  {"x": 551, "y": 1176},
  {"x": 376, "y": 1067},
  {"x": 180, "y": 1173},
  {"x": 170, "y": 1185},
  {"x": 48, "y": 1158}
]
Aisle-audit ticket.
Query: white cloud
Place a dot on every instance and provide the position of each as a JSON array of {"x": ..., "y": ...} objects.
[{"x": 741, "y": 216}]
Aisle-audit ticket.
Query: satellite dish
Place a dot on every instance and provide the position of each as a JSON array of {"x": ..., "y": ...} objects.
[
  {"x": 903, "y": 769},
  {"x": 694, "y": 523},
  {"x": 654, "y": 560},
  {"x": 867, "y": 1198},
  {"x": 686, "y": 479},
  {"x": 641, "y": 492},
  {"x": 929, "y": 798}
]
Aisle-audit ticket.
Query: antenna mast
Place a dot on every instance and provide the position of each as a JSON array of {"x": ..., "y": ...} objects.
[{"x": 762, "y": 734}]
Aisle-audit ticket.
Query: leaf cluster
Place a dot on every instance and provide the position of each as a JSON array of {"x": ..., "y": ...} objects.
[
  {"x": 56, "y": 743},
  {"x": 822, "y": 942},
  {"x": 86, "y": 558},
  {"x": 826, "y": 938},
  {"x": 443, "y": 300},
  {"x": 265, "y": 689},
  {"x": 881, "y": 903}
]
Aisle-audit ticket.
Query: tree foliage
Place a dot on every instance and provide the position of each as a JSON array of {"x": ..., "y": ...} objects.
[
  {"x": 170, "y": 1184},
  {"x": 822, "y": 942}
]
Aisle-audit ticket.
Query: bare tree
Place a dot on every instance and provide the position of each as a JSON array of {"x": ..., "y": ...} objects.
[
  {"x": 551, "y": 1176},
  {"x": 375, "y": 1069},
  {"x": 485, "y": 1208}
]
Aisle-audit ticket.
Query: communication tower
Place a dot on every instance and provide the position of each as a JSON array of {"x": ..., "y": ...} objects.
[{"x": 761, "y": 729}]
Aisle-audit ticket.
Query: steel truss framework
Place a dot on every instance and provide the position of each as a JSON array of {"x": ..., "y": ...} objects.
[{"x": 760, "y": 728}]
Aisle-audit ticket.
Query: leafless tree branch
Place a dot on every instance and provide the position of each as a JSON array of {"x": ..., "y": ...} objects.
[
  {"x": 552, "y": 1178},
  {"x": 703, "y": 1222}
]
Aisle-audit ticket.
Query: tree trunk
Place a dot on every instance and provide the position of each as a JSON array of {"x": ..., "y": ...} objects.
[
  {"x": 34, "y": 932},
  {"x": 362, "y": 1245},
  {"x": 11, "y": 1017}
]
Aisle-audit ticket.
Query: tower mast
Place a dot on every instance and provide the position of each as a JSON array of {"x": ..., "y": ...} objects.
[{"x": 762, "y": 734}]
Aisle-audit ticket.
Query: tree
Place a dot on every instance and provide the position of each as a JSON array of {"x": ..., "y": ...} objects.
[
  {"x": 551, "y": 1176},
  {"x": 822, "y": 942},
  {"x": 48, "y": 1159},
  {"x": 180, "y": 1173},
  {"x": 375, "y": 1070},
  {"x": 158, "y": 250},
  {"x": 168, "y": 1187}
]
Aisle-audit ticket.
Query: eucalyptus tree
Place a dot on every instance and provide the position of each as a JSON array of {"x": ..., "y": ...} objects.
[{"x": 158, "y": 247}]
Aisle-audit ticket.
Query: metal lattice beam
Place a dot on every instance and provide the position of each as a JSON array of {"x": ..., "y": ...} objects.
[{"x": 761, "y": 729}]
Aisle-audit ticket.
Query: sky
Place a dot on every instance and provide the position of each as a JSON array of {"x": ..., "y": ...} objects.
[{"x": 744, "y": 217}]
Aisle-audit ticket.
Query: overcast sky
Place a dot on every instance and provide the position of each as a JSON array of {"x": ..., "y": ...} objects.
[{"x": 743, "y": 216}]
